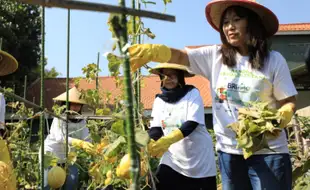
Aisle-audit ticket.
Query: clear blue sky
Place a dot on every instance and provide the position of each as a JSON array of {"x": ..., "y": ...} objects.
[{"x": 90, "y": 34}]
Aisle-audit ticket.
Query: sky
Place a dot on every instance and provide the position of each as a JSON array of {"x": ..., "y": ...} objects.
[{"x": 90, "y": 35}]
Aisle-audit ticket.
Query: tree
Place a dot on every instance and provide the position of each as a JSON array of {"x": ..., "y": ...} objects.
[{"x": 20, "y": 28}]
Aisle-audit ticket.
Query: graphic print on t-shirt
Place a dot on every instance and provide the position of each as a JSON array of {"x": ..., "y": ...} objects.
[
  {"x": 236, "y": 88},
  {"x": 174, "y": 116}
]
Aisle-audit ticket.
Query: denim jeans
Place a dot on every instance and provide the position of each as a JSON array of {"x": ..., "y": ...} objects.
[
  {"x": 72, "y": 179},
  {"x": 259, "y": 172}
]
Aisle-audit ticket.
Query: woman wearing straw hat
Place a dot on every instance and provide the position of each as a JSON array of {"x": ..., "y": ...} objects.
[
  {"x": 243, "y": 69},
  {"x": 78, "y": 133},
  {"x": 179, "y": 134},
  {"x": 8, "y": 65}
]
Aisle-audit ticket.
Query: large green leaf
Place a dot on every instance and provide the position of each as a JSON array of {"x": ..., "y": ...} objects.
[
  {"x": 141, "y": 137},
  {"x": 50, "y": 160},
  {"x": 114, "y": 148},
  {"x": 118, "y": 127},
  {"x": 114, "y": 64}
]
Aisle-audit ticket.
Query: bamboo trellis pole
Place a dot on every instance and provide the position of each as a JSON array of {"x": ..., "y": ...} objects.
[
  {"x": 136, "y": 88},
  {"x": 120, "y": 29},
  {"x": 18, "y": 98},
  {"x": 67, "y": 83},
  {"x": 97, "y": 75},
  {"x": 139, "y": 70},
  {"x": 99, "y": 7},
  {"x": 42, "y": 119}
]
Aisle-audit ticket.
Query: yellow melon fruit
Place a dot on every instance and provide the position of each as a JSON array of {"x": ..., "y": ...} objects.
[
  {"x": 123, "y": 168},
  {"x": 107, "y": 181},
  {"x": 56, "y": 177}
]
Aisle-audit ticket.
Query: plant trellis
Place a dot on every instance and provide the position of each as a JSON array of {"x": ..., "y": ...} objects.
[{"x": 121, "y": 32}]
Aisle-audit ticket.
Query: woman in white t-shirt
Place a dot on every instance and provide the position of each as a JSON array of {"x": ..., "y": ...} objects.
[
  {"x": 179, "y": 134},
  {"x": 78, "y": 134},
  {"x": 241, "y": 70}
]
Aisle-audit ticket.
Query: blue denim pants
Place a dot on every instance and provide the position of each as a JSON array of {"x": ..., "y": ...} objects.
[
  {"x": 72, "y": 179},
  {"x": 259, "y": 172}
]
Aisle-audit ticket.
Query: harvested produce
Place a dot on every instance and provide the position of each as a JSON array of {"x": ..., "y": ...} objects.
[{"x": 255, "y": 125}]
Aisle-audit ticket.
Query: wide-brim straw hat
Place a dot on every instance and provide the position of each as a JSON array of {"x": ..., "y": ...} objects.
[
  {"x": 215, "y": 9},
  {"x": 74, "y": 96},
  {"x": 8, "y": 64},
  {"x": 157, "y": 68}
]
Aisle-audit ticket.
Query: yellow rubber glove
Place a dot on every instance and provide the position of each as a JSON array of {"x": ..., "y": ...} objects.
[
  {"x": 5, "y": 157},
  {"x": 87, "y": 146},
  {"x": 286, "y": 113},
  {"x": 141, "y": 54},
  {"x": 162, "y": 145}
]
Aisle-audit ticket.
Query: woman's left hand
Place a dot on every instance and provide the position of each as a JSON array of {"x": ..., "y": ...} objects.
[{"x": 286, "y": 112}]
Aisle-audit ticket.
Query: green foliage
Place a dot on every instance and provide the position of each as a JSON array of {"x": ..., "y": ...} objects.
[
  {"x": 24, "y": 156},
  {"x": 20, "y": 28},
  {"x": 91, "y": 71},
  {"x": 255, "y": 125}
]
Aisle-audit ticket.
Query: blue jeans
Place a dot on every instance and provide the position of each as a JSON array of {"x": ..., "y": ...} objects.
[
  {"x": 259, "y": 172},
  {"x": 72, "y": 179}
]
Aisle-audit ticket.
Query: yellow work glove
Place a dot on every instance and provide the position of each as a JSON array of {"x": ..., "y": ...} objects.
[
  {"x": 87, "y": 146},
  {"x": 158, "y": 148},
  {"x": 141, "y": 54},
  {"x": 286, "y": 113}
]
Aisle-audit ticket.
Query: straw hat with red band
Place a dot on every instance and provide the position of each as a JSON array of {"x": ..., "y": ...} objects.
[
  {"x": 215, "y": 9},
  {"x": 8, "y": 63}
]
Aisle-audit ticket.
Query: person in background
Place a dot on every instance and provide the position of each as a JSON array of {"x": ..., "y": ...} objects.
[
  {"x": 78, "y": 136},
  {"x": 179, "y": 135}
]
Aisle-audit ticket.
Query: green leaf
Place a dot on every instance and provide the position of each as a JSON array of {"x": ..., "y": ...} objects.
[
  {"x": 103, "y": 111},
  {"x": 118, "y": 127},
  {"x": 142, "y": 137},
  {"x": 247, "y": 153},
  {"x": 149, "y": 33},
  {"x": 114, "y": 148},
  {"x": 114, "y": 64},
  {"x": 253, "y": 128},
  {"x": 167, "y": 1},
  {"x": 50, "y": 160},
  {"x": 243, "y": 141},
  {"x": 72, "y": 157},
  {"x": 95, "y": 137}
]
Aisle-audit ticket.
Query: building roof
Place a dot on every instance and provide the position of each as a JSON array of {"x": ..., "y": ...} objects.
[
  {"x": 150, "y": 86},
  {"x": 294, "y": 27}
]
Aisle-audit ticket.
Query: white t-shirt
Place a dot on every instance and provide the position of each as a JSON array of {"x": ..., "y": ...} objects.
[
  {"x": 192, "y": 156},
  {"x": 55, "y": 140},
  {"x": 232, "y": 88},
  {"x": 2, "y": 111}
]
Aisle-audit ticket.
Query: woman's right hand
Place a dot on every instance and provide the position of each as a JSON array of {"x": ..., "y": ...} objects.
[
  {"x": 141, "y": 54},
  {"x": 87, "y": 146}
]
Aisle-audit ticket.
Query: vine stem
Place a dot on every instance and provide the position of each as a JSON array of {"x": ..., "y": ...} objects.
[{"x": 120, "y": 29}]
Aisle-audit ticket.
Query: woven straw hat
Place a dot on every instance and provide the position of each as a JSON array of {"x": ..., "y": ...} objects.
[
  {"x": 215, "y": 9},
  {"x": 74, "y": 96},
  {"x": 8, "y": 64},
  {"x": 156, "y": 70}
]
